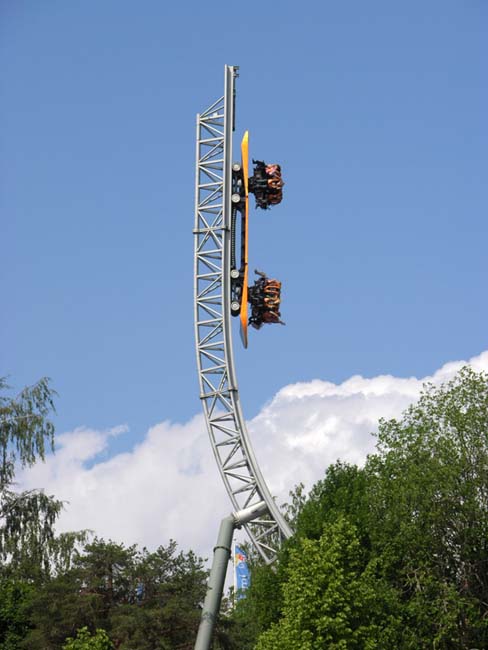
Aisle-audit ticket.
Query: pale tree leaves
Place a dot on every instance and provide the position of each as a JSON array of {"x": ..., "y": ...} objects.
[{"x": 27, "y": 540}]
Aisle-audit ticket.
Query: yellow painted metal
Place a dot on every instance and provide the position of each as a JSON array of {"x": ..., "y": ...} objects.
[{"x": 245, "y": 216}]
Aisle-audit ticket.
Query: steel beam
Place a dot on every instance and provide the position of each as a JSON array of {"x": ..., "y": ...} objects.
[{"x": 219, "y": 393}]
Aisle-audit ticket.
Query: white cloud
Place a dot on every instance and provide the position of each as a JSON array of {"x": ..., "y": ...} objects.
[
  {"x": 168, "y": 485},
  {"x": 309, "y": 425}
]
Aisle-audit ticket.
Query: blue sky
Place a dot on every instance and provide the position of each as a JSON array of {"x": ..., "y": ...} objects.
[{"x": 376, "y": 112}]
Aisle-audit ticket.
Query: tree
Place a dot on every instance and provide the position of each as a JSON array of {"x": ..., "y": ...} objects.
[
  {"x": 144, "y": 600},
  {"x": 85, "y": 641},
  {"x": 332, "y": 598},
  {"x": 55, "y": 593},
  {"x": 26, "y": 518},
  {"x": 108, "y": 570},
  {"x": 29, "y": 549},
  {"x": 168, "y": 589},
  {"x": 340, "y": 494},
  {"x": 394, "y": 554},
  {"x": 15, "y": 598},
  {"x": 428, "y": 506}
]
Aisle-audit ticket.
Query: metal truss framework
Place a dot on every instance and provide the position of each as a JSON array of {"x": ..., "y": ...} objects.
[{"x": 218, "y": 385}]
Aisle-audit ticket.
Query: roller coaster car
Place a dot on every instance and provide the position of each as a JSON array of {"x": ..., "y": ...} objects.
[
  {"x": 265, "y": 298},
  {"x": 266, "y": 184}
]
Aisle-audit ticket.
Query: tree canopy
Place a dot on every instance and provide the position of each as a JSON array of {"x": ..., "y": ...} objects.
[
  {"x": 63, "y": 592},
  {"x": 393, "y": 554},
  {"x": 142, "y": 599},
  {"x": 28, "y": 544}
]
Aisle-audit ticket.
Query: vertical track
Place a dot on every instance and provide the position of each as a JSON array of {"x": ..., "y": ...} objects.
[{"x": 213, "y": 333}]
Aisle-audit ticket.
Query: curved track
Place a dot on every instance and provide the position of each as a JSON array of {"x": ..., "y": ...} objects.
[{"x": 213, "y": 333}]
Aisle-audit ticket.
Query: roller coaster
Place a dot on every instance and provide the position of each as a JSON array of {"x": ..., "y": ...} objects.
[{"x": 221, "y": 291}]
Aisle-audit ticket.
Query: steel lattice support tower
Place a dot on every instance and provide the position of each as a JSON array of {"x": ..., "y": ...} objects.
[{"x": 218, "y": 385}]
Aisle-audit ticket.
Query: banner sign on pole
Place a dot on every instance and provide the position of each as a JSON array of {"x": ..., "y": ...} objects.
[{"x": 242, "y": 577}]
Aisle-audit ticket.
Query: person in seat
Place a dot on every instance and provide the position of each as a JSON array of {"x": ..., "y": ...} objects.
[
  {"x": 266, "y": 184},
  {"x": 265, "y": 298}
]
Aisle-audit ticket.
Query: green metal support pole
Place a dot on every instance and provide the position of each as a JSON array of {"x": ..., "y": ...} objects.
[
  {"x": 222, "y": 553},
  {"x": 211, "y": 606}
]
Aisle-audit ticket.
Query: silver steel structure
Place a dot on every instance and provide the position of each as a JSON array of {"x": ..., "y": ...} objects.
[{"x": 218, "y": 385}]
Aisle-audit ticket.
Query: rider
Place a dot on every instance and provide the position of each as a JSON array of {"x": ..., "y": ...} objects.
[
  {"x": 266, "y": 184},
  {"x": 265, "y": 300}
]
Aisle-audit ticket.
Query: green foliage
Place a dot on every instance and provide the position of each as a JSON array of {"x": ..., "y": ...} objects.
[
  {"x": 15, "y": 597},
  {"x": 343, "y": 491},
  {"x": 26, "y": 519},
  {"x": 332, "y": 599},
  {"x": 429, "y": 511},
  {"x": 393, "y": 555},
  {"x": 142, "y": 600},
  {"x": 298, "y": 499},
  {"x": 28, "y": 546},
  {"x": 58, "y": 608},
  {"x": 50, "y": 587},
  {"x": 85, "y": 641},
  {"x": 261, "y": 606},
  {"x": 24, "y": 427},
  {"x": 108, "y": 570},
  {"x": 168, "y": 614}
]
